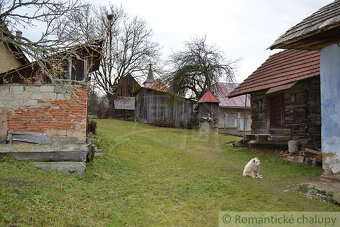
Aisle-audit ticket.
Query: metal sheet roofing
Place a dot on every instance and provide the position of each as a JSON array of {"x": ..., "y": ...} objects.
[
  {"x": 323, "y": 20},
  {"x": 221, "y": 92},
  {"x": 282, "y": 68}
]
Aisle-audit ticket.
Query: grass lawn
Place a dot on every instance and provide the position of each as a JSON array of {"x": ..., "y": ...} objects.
[{"x": 152, "y": 176}]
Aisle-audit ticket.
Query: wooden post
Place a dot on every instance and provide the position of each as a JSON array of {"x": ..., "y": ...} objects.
[{"x": 244, "y": 118}]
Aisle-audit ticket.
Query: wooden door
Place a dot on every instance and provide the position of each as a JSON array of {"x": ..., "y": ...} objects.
[{"x": 276, "y": 111}]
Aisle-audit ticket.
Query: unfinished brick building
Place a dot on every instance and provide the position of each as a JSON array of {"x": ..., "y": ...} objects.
[{"x": 31, "y": 103}]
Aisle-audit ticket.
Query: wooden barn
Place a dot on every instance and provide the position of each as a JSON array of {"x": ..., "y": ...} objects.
[
  {"x": 285, "y": 98},
  {"x": 165, "y": 109},
  {"x": 124, "y": 102}
]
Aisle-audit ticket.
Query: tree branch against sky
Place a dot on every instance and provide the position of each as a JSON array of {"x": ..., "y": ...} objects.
[
  {"x": 197, "y": 68},
  {"x": 47, "y": 16},
  {"x": 127, "y": 48}
]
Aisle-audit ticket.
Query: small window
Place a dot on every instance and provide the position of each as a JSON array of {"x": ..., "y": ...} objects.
[
  {"x": 77, "y": 69},
  {"x": 259, "y": 104},
  {"x": 293, "y": 98}
]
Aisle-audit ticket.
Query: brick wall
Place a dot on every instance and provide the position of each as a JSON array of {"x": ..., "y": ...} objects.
[{"x": 42, "y": 108}]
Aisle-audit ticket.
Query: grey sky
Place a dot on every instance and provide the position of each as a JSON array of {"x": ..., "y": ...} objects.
[{"x": 243, "y": 29}]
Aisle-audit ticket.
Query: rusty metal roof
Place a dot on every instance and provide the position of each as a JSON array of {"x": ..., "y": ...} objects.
[
  {"x": 222, "y": 90},
  {"x": 208, "y": 97},
  {"x": 159, "y": 85},
  {"x": 323, "y": 25},
  {"x": 282, "y": 68}
]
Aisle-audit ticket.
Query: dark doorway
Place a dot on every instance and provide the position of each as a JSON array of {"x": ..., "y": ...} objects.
[{"x": 276, "y": 111}]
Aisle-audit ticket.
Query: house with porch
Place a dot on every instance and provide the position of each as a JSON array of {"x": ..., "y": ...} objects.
[
  {"x": 285, "y": 99},
  {"x": 321, "y": 32}
]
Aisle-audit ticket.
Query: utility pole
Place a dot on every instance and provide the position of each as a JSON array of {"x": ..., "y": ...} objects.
[{"x": 111, "y": 101}]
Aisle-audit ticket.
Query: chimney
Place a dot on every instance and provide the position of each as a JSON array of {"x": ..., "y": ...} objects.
[{"x": 18, "y": 34}]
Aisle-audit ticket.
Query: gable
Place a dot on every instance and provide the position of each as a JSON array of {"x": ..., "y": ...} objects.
[{"x": 7, "y": 59}]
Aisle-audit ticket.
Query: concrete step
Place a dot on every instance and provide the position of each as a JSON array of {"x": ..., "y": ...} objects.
[
  {"x": 280, "y": 131},
  {"x": 279, "y": 138}
]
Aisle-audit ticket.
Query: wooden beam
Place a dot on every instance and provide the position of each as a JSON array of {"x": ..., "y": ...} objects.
[{"x": 313, "y": 151}]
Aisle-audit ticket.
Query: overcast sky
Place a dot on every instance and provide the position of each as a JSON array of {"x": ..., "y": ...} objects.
[{"x": 243, "y": 29}]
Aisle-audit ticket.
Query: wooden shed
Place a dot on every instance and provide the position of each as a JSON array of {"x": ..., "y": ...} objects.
[
  {"x": 208, "y": 113},
  {"x": 165, "y": 109}
]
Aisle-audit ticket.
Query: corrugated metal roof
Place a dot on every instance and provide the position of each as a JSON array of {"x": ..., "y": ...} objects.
[
  {"x": 326, "y": 18},
  {"x": 282, "y": 68},
  {"x": 208, "y": 97},
  {"x": 221, "y": 92}
]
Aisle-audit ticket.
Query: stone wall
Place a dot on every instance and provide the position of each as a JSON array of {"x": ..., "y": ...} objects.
[{"x": 45, "y": 109}]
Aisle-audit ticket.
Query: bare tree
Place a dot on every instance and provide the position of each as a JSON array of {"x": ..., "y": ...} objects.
[
  {"x": 127, "y": 47},
  {"x": 46, "y": 47},
  {"x": 197, "y": 68}
]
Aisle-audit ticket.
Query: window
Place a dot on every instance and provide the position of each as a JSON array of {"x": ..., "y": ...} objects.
[
  {"x": 259, "y": 104},
  {"x": 77, "y": 69},
  {"x": 293, "y": 98}
]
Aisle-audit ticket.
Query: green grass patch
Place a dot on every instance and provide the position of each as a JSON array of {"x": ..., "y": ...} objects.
[{"x": 152, "y": 176}]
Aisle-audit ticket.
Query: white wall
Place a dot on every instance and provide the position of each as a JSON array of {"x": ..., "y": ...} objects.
[{"x": 330, "y": 108}]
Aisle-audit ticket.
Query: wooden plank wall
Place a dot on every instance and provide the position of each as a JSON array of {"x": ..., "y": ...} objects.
[
  {"x": 153, "y": 107},
  {"x": 303, "y": 116}
]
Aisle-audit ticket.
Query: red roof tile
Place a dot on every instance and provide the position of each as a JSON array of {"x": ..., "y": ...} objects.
[
  {"x": 208, "y": 97},
  {"x": 282, "y": 68},
  {"x": 222, "y": 90}
]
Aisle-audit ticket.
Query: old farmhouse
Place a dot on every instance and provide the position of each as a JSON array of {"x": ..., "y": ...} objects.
[
  {"x": 285, "y": 98},
  {"x": 32, "y": 107},
  {"x": 320, "y": 32}
]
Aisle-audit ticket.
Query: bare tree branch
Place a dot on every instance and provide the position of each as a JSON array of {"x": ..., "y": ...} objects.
[{"x": 197, "y": 68}]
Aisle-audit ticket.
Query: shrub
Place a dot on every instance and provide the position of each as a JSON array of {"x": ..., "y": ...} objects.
[{"x": 92, "y": 126}]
